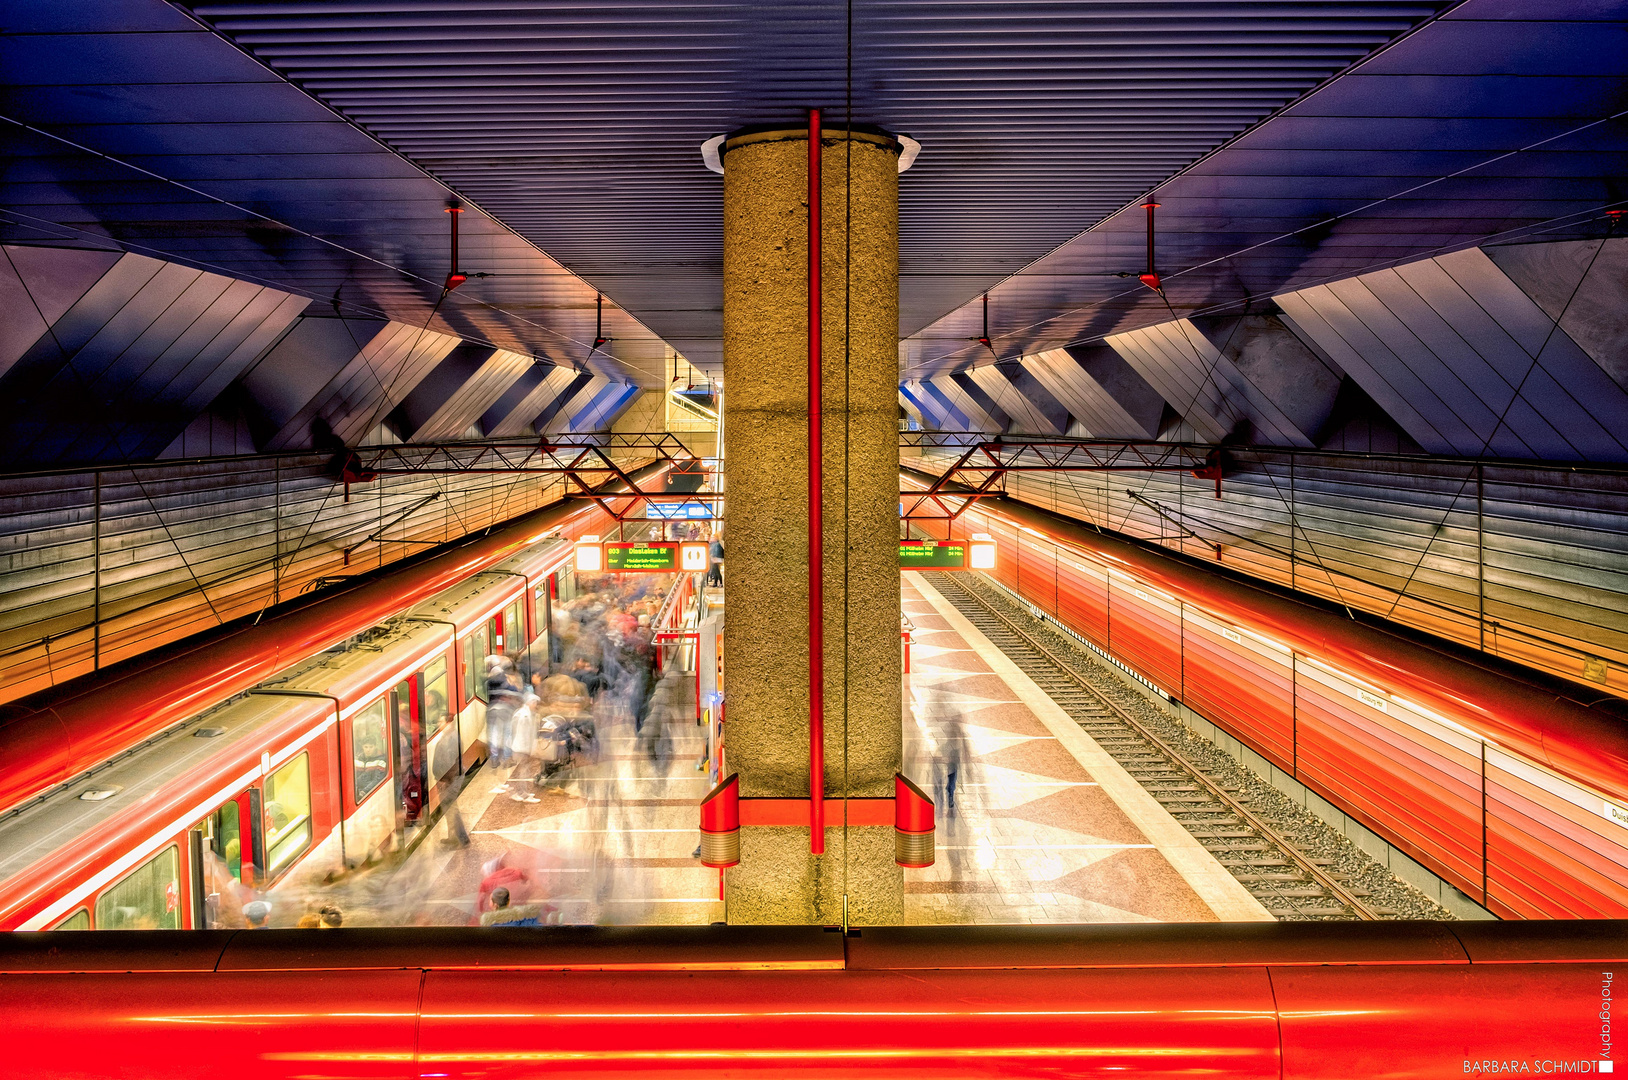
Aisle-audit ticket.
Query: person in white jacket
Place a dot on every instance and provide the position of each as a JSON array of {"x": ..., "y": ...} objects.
[{"x": 523, "y": 748}]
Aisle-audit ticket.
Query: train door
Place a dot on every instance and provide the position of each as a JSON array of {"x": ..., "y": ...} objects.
[
  {"x": 472, "y": 694},
  {"x": 442, "y": 752},
  {"x": 547, "y": 644},
  {"x": 407, "y": 733},
  {"x": 230, "y": 847}
]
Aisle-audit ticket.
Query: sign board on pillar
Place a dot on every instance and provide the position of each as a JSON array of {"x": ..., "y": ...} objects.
[{"x": 657, "y": 557}]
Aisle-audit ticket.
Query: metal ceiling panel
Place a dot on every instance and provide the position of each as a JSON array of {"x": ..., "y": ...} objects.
[
  {"x": 558, "y": 414},
  {"x": 1201, "y": 372},
  {"x": 357, "y": 398},
  {"x": 509, "y": 418},
  {"x": 130, "y": 363},
  {"x": 1022, "y": 415},
  {"x": 1580, "y": 284},
  {"x": 957, "y": 392},
  {"x": 473, "y": 393},
  {"x": 1466, "y": 362},
  {"x": 579, "y": 127},
  {"x": 135, "y": 127},
  {"x": 1488, "y": 124},
  {"x": 954, "y": 418},
  {"x": 601, "y": 412},
  {"x": 931, "y": 412},
  {"x": 37, "y": 287}
]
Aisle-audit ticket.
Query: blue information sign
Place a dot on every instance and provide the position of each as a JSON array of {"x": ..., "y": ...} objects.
[{"x": 687, "y": 511}]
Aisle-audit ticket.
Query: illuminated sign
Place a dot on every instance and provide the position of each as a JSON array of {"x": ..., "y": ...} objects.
[
  {"x": 590, "y": 556},
  {"x": 693, "y": 556},
  {"x": 641, "y": 558},
  {"x": 686, "y": 511},
  {"x": 933, "y": 554}
]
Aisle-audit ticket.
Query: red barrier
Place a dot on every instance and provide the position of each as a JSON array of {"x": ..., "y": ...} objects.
[{"x": 1296, "y": 1001}]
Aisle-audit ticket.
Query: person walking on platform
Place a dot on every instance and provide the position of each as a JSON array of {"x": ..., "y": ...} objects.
[
  {"x": 715, "y": 568},
  {"x": 502, "y": 698}
]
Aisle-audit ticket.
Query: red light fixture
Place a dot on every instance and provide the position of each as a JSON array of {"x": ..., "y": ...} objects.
[
  {"x": 454, "y": 278},
  {"x": 1150, "y": 277}
]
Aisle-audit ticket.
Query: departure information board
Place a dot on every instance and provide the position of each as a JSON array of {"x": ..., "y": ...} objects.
[
  {"x": 641, "y": 558},
  {"x": 933, "y": 554}
]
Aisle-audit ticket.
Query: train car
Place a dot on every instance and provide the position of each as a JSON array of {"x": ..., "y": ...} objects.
[
  {"x": 326, "y": 765},
  {"x": 52, "y": 737},
  {"x": 1508, "y": 784}
]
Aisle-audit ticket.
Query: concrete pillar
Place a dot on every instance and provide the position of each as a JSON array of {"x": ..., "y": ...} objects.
[{"x": 766, "y": 466}]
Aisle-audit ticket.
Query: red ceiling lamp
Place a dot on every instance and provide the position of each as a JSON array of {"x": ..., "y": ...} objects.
[
  {"x": 1150, "y": 277},
  {"x": 454, "y": 277},
  {"x": 600, "y": 340}
]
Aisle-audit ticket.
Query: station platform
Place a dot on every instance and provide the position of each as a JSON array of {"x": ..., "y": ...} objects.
[
  {"x": 607, "y": 841},
  {"x": 1037, "y": 824}
]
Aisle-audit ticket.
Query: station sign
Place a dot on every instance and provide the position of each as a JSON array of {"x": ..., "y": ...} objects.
[
  {"x": 647, "y": 557},
  {"x": 686, "y": 511},
  {"x": 977, "y": 553},
  {"x": 932, "y": 554},
  {"x": 642, "y": 558}
]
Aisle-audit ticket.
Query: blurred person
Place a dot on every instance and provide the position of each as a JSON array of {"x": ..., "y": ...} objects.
[
  {"x": 371, "y": 765},
  {"x": 505, "y": 914},
  {"x": 310, "y": 921},
  {"x": 523, "y": 744},
  {"x": 715, "y": 556},
  {"x": 502, "y": 697},
  {"x": 256, "y": 913},
  {"x": 331, "y": 918}
]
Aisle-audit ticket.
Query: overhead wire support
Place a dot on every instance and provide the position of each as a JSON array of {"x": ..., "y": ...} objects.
[{"x": 982, "y": 467}]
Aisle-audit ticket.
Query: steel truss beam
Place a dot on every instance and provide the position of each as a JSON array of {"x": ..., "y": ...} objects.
[
  {"x": 981, "y": 469},
  {"x": 583, "y": 461}
]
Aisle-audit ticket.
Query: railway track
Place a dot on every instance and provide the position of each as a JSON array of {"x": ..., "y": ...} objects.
[{"x": 1288, "y": 883}]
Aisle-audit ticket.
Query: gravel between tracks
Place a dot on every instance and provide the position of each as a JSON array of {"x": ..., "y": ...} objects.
[{"x": 1311, "y": 835}]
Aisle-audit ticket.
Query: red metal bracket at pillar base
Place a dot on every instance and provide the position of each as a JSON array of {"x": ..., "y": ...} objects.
[
  {"x": 721, "y": 824},
  {"x": 795, "y": 813},
  {"x": 913, "y": 824}
]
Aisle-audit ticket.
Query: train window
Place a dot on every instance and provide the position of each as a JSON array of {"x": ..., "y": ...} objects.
[
  {"x": 370, "y": 762},
  {"x": 514, "y": 629},
  {"x": 288, "y": 814},
  {"x": 79, "y": 920},
  {"x": 436, "y": 712},
  {"x": 223, "y": 830},
  {"x": 476, "y": 650},
  {"x": 147, "y": 898}
]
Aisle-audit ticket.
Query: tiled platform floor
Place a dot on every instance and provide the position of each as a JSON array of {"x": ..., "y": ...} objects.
[
  {"x": 1044, "y": 826},
  {"x": 615, "y": 836}
]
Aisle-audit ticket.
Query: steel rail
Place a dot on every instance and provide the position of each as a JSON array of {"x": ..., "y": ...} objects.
[{"x": 1214, "y": 790}]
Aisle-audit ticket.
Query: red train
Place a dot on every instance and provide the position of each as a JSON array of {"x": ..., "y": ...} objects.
[
  {"x": 1509, "y": 784},
  {"x": 1275, "y": 1001},
  {"x": 318, "y": 743}
]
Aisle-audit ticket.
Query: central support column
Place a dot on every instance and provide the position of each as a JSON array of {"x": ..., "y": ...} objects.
[{"x": 767, "y": 632}]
